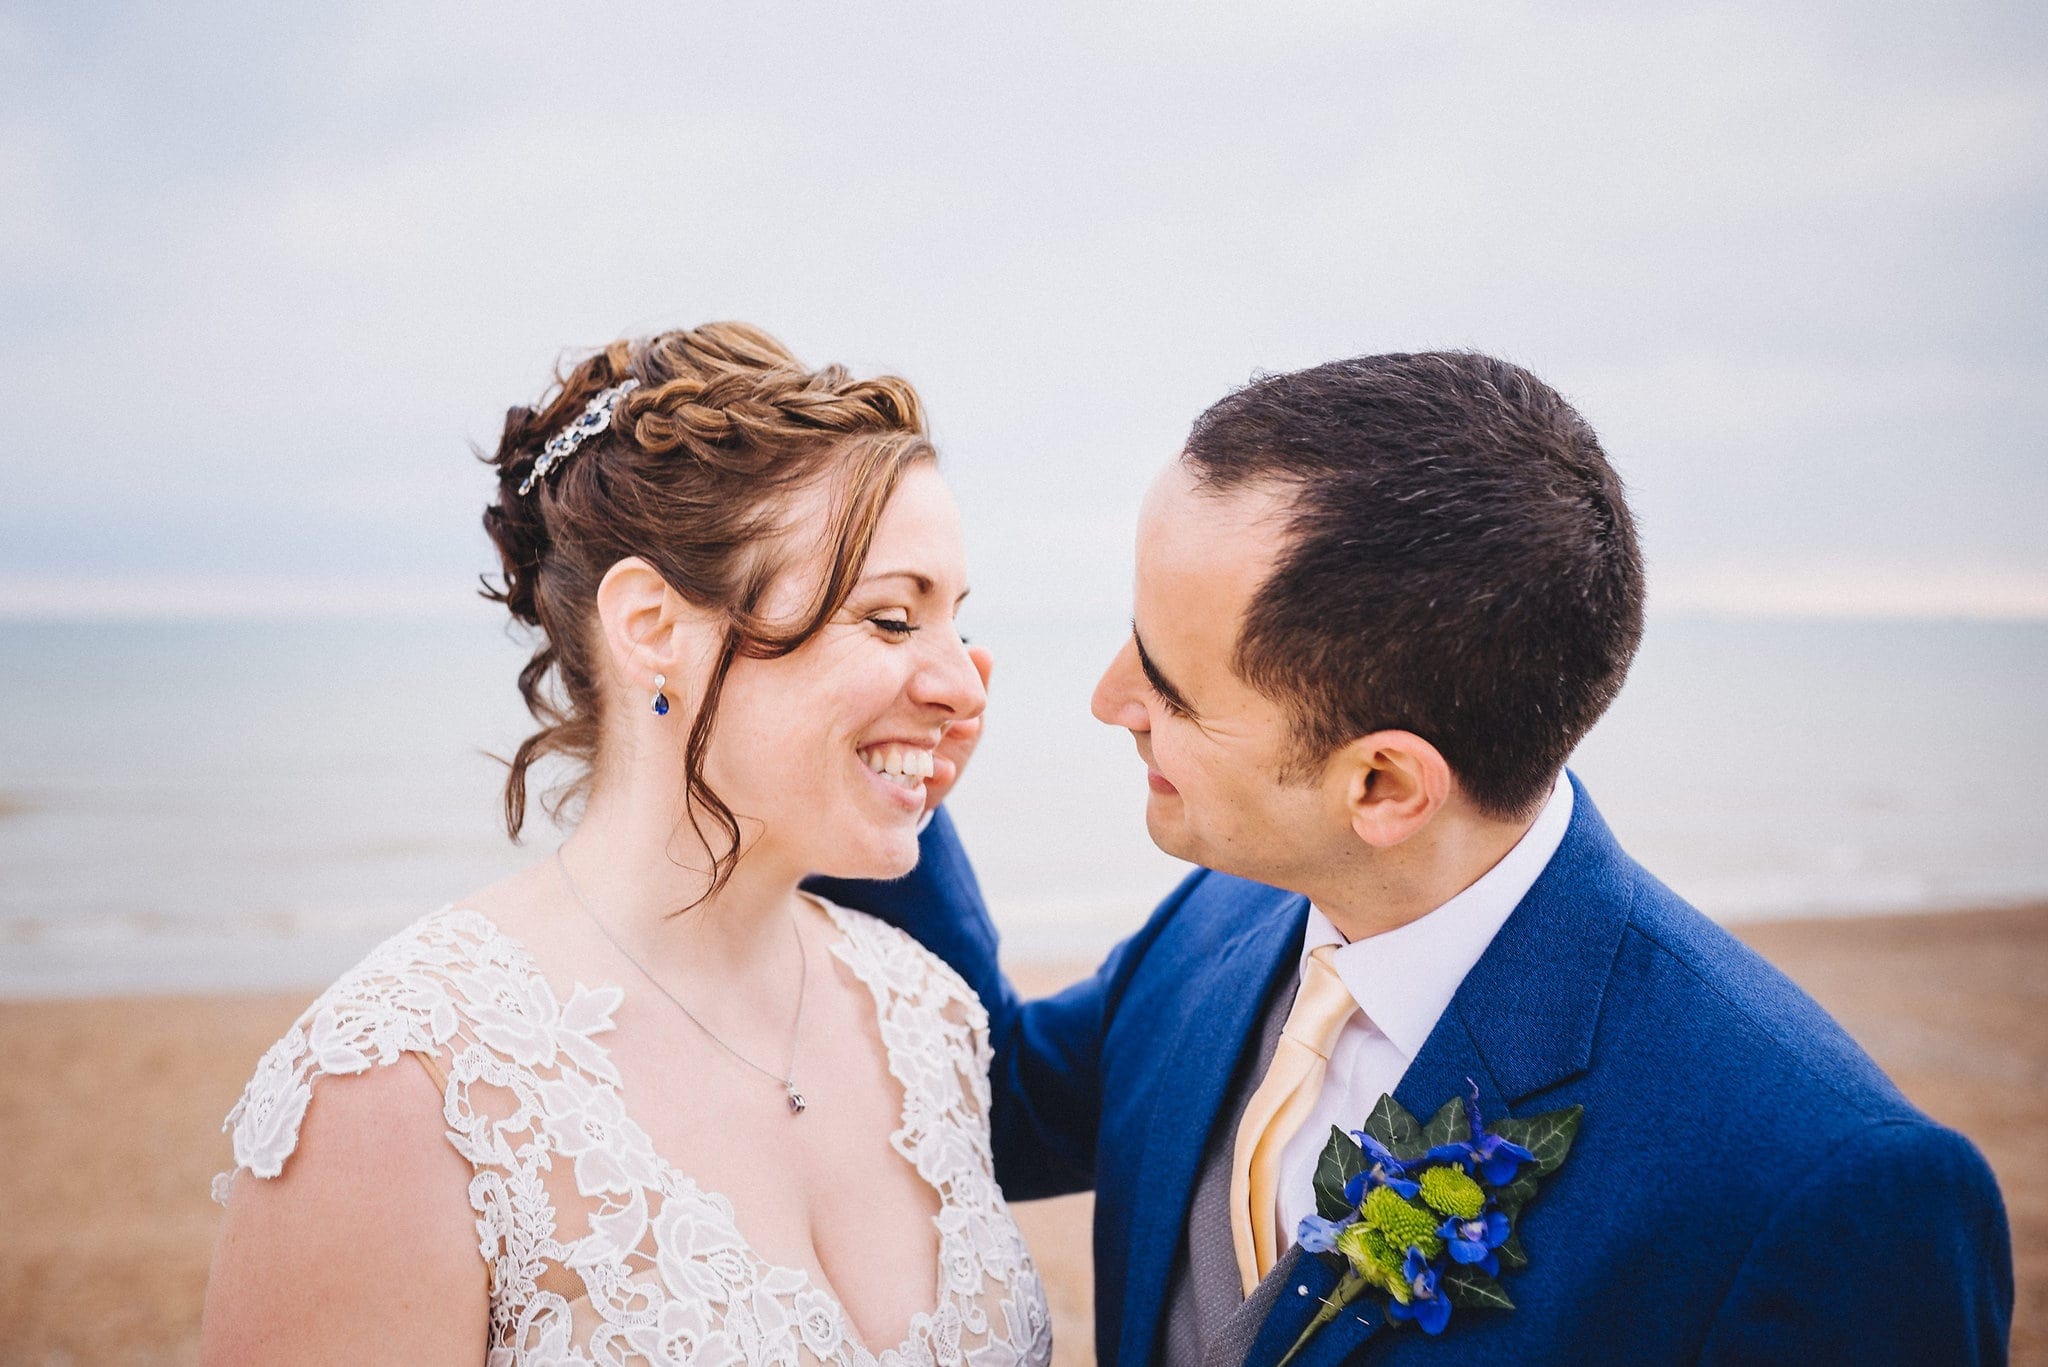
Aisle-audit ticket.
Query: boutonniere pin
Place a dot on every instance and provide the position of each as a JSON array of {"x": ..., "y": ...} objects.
[{"x": 1425, "y": 1214}]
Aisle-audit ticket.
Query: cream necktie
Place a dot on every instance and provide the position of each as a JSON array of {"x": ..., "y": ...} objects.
[{"x": 1293, "y": 1081}]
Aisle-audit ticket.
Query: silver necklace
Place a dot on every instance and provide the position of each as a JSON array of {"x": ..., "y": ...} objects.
[{"x": 787, "y": 1079}]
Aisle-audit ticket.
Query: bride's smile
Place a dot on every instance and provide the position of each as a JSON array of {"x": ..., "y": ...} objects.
[{"x": 824, "y": 754}]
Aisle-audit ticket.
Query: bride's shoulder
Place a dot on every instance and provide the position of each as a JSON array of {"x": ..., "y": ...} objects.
[
  {"x": 374, "y": 1181},
  {"x": 406, "y": 995}
]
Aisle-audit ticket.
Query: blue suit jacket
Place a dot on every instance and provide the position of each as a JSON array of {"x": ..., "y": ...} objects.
[{"x": 1747, "y": 1186}]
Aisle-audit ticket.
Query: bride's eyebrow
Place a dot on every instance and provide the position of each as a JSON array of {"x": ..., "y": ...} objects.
[{"x": 921, "y": 582}]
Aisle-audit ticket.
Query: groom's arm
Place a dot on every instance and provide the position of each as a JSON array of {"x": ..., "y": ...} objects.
[
  {"x": 1893, "y": 1250},
  {"x": 1046, "y": 1077}
]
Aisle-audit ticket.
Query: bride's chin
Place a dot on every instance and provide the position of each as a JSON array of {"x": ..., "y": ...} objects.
[{"x": 886, "y": 858}]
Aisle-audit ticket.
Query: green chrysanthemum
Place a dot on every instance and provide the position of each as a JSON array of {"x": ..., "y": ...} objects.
[
  {"x": 1451, "y": 1191},
  {"x": 1405, "y": 1224},
  {"x": 1374, "y": 1259}
]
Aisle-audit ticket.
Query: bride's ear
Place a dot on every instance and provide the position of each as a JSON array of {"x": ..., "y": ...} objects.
[
  {"x": 1393, "y": 782},
  {"x": 648, "y": 629}
]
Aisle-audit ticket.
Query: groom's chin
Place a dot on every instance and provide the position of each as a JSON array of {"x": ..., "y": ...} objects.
[{"x": 1169, "y": 834}]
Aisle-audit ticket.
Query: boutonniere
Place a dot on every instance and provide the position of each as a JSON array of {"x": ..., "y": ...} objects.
[{"x": 1425, "y": 1214}]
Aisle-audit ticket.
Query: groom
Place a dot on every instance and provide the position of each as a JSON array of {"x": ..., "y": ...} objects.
[{"x": 1378, "y": 602}]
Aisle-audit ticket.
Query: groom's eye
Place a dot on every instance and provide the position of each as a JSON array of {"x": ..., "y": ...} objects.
[{"x": 1168, "y": 705}]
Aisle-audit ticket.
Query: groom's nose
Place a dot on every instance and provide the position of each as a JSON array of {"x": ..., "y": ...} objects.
[{"x": 1119, "y": 694}]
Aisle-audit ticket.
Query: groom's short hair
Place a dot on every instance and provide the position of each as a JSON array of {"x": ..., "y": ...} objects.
[{"x": 1460, "y": 562}]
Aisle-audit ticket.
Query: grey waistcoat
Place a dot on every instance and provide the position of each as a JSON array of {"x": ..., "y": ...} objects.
[{"x": 1209, "y": 1321}]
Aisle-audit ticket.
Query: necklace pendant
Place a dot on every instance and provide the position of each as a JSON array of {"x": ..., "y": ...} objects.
[{"x": 796, "y": 1100}]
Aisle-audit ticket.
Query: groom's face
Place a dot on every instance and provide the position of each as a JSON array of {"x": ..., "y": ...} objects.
[{"x": 1216, "y": 750}]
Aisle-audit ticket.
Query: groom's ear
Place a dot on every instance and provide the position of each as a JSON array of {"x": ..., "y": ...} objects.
[{"x": 1394, "y": 783}]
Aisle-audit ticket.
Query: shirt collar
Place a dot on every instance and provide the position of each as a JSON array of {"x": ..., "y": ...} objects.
[{"x": 1404, "y": 978}]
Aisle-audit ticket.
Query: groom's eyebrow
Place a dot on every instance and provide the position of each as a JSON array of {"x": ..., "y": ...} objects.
[{"x": 1161, "y": 685}]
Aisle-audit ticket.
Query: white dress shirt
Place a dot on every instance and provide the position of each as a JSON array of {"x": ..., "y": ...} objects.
[{"x": 1402, "y": 980}]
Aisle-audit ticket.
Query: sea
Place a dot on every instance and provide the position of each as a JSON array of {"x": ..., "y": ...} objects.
[{"x": 249, "y": 804}]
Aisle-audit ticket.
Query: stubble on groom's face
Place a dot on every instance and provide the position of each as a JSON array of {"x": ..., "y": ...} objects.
[{"x": 1217, "y": 752}]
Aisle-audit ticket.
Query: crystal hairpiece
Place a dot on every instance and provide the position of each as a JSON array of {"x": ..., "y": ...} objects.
[{"x": 595, "y": 418}]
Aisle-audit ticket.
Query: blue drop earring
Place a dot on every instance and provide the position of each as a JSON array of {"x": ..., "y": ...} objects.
[{"x": 660, "y": 698}]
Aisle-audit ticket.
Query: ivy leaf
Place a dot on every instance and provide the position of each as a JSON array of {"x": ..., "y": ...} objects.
[
  {"x": 1391, "y": 1124},
  {"x": 1471, "y": 1289},
  {"x": 1516, "y": 1194},
  {"x": 1450, "y": 1125},
  {"x": 1511, "y": 1255},
  {"x": 1342, "y": 1160},
  {"x": 1548, "y": 1136}
]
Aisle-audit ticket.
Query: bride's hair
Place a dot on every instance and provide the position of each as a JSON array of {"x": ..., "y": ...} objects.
[{"x": 695, "y": 475}]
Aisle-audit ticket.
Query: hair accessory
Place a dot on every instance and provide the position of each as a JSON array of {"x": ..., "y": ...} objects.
[
  {"x": 660, "y": 698},
  {"x": 595, "y": 418}
]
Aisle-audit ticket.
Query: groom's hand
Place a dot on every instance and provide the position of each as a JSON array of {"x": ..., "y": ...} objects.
[{"x": 959, "y": 741}]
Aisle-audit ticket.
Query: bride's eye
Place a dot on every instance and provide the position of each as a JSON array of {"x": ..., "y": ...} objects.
[{"x": 894, "y": 626}]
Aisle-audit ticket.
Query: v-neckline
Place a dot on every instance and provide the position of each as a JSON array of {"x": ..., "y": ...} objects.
[{"x": 921, "y": 1321}]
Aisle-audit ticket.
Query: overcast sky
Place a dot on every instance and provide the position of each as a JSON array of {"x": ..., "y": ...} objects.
[{"x": 266, "y": 270}]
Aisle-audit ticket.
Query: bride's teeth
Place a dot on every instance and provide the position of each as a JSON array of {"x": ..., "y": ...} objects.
[{"x": 902, "y": 764}]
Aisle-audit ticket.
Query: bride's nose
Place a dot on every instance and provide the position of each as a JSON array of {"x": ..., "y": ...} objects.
[{"x": 947, "y": 678}]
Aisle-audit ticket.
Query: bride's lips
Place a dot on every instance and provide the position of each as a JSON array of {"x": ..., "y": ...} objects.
[
  {"x": 908, "y": 757},
  {"x": 909, "y": 799}
]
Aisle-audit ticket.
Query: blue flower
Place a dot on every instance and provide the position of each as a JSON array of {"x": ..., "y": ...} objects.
[
  {"x": 1493, "y": 1158},
  {"x": 1318, "y": 1235},
  {"x": 1385, "y": 1171},
  {"x": 1473, "y": 1241},
  {"x": 1425, "y": 1306}
]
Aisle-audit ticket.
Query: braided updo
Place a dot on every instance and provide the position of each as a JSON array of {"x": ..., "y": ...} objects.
[{"x": 695, "y": 476}]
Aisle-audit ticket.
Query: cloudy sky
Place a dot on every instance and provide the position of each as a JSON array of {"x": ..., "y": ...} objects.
[{"x": 266, "y": 270}]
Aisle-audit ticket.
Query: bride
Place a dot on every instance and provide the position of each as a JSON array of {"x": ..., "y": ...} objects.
[{"x": 646, "y": 1101}]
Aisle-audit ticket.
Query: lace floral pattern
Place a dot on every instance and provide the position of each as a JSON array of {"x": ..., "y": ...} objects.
[{"x": 599, "y": 1251}]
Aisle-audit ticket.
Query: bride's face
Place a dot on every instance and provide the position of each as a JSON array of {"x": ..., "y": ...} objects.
[{"x": 822, "y": 754}]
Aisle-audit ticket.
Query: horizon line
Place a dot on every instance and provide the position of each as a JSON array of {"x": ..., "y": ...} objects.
[{"x": 1746, "y": 594}]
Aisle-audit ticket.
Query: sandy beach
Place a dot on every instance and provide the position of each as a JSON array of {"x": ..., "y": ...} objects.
[{"x": 112, "y": 1113}]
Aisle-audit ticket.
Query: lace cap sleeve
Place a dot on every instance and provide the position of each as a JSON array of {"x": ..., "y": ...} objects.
[{"x": 396, "y": 1001}]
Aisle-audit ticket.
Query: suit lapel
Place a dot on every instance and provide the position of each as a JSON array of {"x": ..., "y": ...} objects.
[
  {"x": 1220, "y": 1006},
  {"x": 1440, "y": 1071},
  {"x": 1523, "y": 1019},
  {"x": 1306, "y": 1282},
  {"x": 1521, "y": 1022}
]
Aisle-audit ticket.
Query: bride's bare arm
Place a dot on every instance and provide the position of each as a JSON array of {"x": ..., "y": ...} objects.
[{"x": 364, "y": 1249}]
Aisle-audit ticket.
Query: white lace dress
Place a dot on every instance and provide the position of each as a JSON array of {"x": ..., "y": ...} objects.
[{"x": 598, "y": 1250}]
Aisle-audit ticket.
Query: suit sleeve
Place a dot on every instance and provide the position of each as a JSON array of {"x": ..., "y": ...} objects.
[
  {"x": 1894, "y": 1249},
  {"x": 1046, "y": 1079}
]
